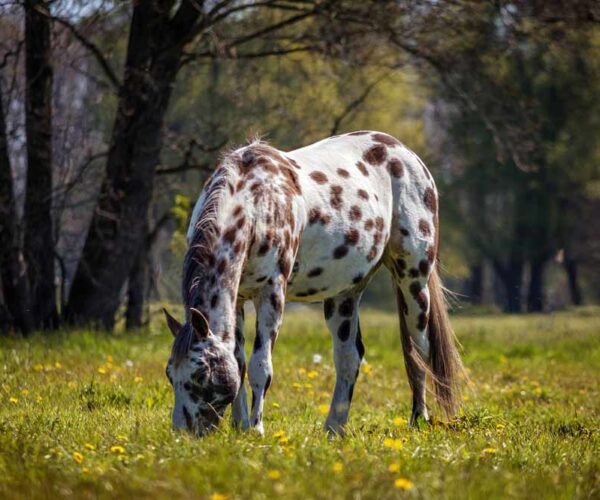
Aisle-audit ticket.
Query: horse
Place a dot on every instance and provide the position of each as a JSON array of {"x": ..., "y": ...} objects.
[{"x": 309, "y": 225}]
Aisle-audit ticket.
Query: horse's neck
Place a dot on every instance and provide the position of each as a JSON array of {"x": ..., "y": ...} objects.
[{"x": 214, "y": 263}]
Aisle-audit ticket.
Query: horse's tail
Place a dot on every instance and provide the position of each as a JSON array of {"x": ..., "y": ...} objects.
[{"x": 445, "y": 364}]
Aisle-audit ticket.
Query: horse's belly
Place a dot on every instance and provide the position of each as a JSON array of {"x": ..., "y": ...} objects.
[{"x": 328, "y": 264}]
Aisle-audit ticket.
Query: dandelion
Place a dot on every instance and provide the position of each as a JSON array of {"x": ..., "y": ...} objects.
[
  {"x": 323, "y": 409},
  {"x": 117, "y": 449},
  {"x": 218, "y": 496},
  {"x": 275, "y": 405},
  {"x": 101, "y": 370},
  {"x": 312, "y": 374},
  {"x": 394, "y": 444},
  {"x": 338, "y": 467},
  {"x": 57, "y": 365},
  {"x": 296, "y": 385},
  {"x": 500, "y": 426},
  {"x": 403, "y": 484},
  {"x": 399, "y": 421},
  {"x": 274, "y": 474},
  {"x": 78, "y": 457},
  {"x": 138, "y": 379},
  {"x": 279, "y": 434},
  {"x": 489, "y": 451},
  {"x": 395, "y": 467},
  {"x": 25, "y": 392},
  {"x": 13, "y": 401},
  {"x": 89, "y": 446},
  {"x": 366, "y": 368},
  {"x": 39, "y": 399}
]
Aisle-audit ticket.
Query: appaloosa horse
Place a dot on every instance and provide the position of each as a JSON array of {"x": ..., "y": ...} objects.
[{"x": 308, "y": 225}]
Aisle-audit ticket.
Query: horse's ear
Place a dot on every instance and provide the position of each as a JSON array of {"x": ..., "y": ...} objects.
[
  {"x": 172, "y": 323},
  {"x": 199, "y": 324}
]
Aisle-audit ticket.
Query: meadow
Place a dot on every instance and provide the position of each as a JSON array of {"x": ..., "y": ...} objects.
[{"x": 87, "y": 415}]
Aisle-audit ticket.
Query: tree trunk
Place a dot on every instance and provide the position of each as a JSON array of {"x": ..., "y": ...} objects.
[
  {"x": 511, "y": 277},
  {"x": 573, "y": 280},
  {"x": 136, "y": 290},
  {"x": 475, "y": 291},
  {"x": 535, "y": 295},
  {"x": 13, "y": 275},
  {"x": 117, "y": 228},
  {"x": 39, "y": 238}
]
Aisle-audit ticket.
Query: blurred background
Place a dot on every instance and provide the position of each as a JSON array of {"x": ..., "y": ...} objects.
[{"x": 113, "y": 114}]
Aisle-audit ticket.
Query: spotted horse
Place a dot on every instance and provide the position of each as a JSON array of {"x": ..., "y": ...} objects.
[{"x": 313, "y": 224}]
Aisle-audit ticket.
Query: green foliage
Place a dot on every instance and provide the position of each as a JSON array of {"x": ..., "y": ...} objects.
[{"x": 84, "y": 414}]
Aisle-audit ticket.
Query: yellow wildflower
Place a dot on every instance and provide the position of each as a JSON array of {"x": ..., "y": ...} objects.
[
  {"x": 312, "y": 374},
  {"x": 296, "y": 385},
  {"x": 274, "y": 474},
  {"x": 399, "y": 421},
  {"x": 394, "y": 444},
  {"x": 366, "y": 368},
  {"x": 279, "y": 434},
  {"x": 117, "y": 449},
  {"x": 13, "y": 401},
  {"x": 275, "y": 405},
  {"x": 323, "y": 409},
  {"x": 90, "y": 446},
  {"x": 57, "y": 365},
  {"x": 489, "y": 451},
  {"x": 101, "y": 370},
  {"x": 218, "y": 496},
  {"x": 25, "y": 392},
  {"x": 338, "y": 467},
  {"x": 394, "y": 467},
  {"x": 500, "y": 426},
  {"x": 39, "y": 399},
  {"x": 38, "y": 367},
  {"x": 78, "y": 457},
  {"x": 138, "y": 379},
  {"x": 403, "y": 484},
  {"x": 121, "y": 437}
]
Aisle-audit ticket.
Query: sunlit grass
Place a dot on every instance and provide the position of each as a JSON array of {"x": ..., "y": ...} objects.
[{"x": 87, "y": 415}]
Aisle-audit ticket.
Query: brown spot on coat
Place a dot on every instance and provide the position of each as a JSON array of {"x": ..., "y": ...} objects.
[
  {"x": 352, "y": 237},
  {"x": 430, "y": 200},
  {"x": 395, "y": 167},
  {"x": 363, "y": 169},
  {"x": 336, "y": 197},
  {"x": 342, "y": 172},
  {"x": 363, "y": 194},
  {"x": 346, "y": 307},
  {"x": 229, "y": 234},
  {"x": 375, "y": 155},
  {"x": 369, "y": 224},
  {"x": 315, "y": 272},
  {"x": 276, "y": 303},
  {"x": 424, "y": 227},
  {"x": 344, "y": 330},
  {"x": 328, "y": 308},
  {"x": 318, "y": 177},
  {"x": 355, "y": 213},
  {"x": 386, "y": 139},
  {"x": 314, "y": 215},
  {"x": 340, "y": 252}
]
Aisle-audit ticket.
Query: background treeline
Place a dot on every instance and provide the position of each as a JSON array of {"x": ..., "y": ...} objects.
[{"x": 113, "y": 113}]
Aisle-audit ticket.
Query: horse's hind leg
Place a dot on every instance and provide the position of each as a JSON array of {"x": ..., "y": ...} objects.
[
  {"x": 239, "y": 410},
  {"x": 341, "y": 314},
  {"x": 410, "y": 264}
]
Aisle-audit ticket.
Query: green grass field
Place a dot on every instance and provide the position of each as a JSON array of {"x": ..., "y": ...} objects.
[{"x": 88, "y": 415}]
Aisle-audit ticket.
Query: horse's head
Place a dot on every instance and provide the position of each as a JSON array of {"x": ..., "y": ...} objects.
[{"x": 203, "y": 372}]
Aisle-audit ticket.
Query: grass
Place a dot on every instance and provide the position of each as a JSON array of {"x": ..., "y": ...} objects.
[{"x": 87, "y": 415}]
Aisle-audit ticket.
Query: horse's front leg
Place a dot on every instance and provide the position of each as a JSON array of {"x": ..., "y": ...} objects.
[
  {"x": 269, "y": 313},
  {"x": 341, "y": 314},
  {"x": 239, "y": 411}
]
